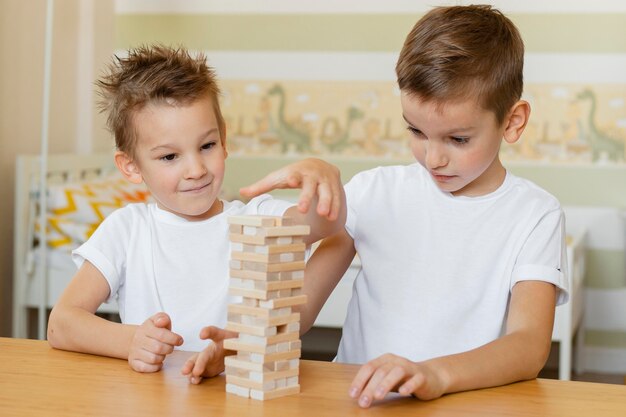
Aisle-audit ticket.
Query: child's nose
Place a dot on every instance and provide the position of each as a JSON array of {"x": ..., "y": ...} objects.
[
  {"x": 435, "y": 155},
  {"x": 195, "y": 168}
]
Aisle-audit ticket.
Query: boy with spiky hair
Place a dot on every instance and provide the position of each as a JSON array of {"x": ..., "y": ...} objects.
[{"x": 166, "y": 264}]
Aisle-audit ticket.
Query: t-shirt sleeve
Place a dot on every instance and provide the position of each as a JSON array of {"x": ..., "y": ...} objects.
[
  {"x": 266, "y": 205},
  {"x": 106, "y": 250},
  {"x": 355, "y": 189},
  {"x": 544, "y": 255}
]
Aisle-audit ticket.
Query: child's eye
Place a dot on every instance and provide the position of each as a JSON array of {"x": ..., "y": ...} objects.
[
  {"x": 461, "y": 140},
  {"x": 208, "y": 145},
  {"x": 168, "y": 157},
  {"x": 415, "y": 132}
]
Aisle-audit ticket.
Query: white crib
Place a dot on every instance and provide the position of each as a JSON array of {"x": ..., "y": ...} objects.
[{"x": 27, "y": 285}]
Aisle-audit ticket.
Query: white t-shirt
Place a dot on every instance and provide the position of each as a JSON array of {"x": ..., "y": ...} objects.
[
  {"x": 156, "y": 261},
  {"x": 437, "y": 270}
]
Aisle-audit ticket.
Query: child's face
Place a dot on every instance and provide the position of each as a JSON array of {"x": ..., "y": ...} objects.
[
  {"x": 458, "y": 143},
  {"x": 180, "y": 157}
]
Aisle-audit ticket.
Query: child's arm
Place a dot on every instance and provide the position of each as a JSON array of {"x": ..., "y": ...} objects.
[
  {"x": 518, "y": 355},
  {"x": 74, "y": 326},
  {"x": 323, "y": 272},
  {"x": 321, "y": 187}
]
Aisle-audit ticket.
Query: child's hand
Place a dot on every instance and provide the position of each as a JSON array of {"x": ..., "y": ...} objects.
[
  {"x": 209, "y": 362},
  {"x": 389, "y": 373},
  {"x": 152, "y": 342},
  {"x": 315, "y": 177}
]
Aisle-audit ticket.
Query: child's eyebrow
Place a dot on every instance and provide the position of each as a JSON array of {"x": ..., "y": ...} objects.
[
  {"x": 201, "y": 136},
  {"x": 456, "y": 130},
  {"x": 405, "y": 119},
  {"x": 208, "y": 133}
]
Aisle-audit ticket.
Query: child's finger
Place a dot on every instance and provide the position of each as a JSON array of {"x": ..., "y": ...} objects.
[
  {"x": 335, "y": 209},
  {"x": 309, "y": 188},
  {"x": 203, "y": 359},
  {"x": 165, "y": 336},
  {"x": 161, "y": 320},
  {"x": 268, "y": 183},
  {"x": 141, "y": 366},
  {"x": 362, "y": 376},
  {"x": 324, "y": 199},
  {"x": 368, "y": 393},
  {"x": 412, "y": 384},
  {"x": 396, "y": 375},
  {"x": 188, "y": 365},
  {"x": 216, "y": 334},
  {"x": 150, "y": 357}
]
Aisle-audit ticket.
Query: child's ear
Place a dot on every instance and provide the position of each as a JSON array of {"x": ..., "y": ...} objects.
[
  {"x": 128, "y": 167},
  {"x": 516, "y": 121},
  {"x": 223, "y": 139}
]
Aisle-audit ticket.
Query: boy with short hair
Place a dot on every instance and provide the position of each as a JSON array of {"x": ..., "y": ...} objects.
[
  {"x": 167, "y": 263},
  {"x": 462, "y": 262}
]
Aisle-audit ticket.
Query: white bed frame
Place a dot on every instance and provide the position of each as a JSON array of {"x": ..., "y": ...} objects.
[{"x": 27, "y": 282}]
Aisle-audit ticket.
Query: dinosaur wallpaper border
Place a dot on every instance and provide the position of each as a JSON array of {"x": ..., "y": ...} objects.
[{"x": 569, "y": 123}]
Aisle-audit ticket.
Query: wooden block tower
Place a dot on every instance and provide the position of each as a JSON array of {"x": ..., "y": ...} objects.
[{"x": 267, "y": 270}]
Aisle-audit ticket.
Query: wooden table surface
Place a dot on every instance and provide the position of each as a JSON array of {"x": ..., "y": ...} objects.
[{"x": 38, "y": 380}]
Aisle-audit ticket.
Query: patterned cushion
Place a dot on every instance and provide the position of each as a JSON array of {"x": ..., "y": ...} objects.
[{"x": 76, "y": 209}]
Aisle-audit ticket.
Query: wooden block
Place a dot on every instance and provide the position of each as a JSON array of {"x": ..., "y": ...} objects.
[
  {"x": 299, "y": 230},
  {"x": 250, "y": 302},
  {"x": 261, "y": 240},
  {"x": 268, "y": 286},
  {"x": 240, "y": 247},
  {"x": 235, "y": 228},
  {"x": 279, "y": 285},
  {"x": 295, "y": 275},
  {"x": 256, "y": 275},
  {"x": 250, "y": 240},
  {"x": 238, "y": 390},
  {"x": 270, "y": 267},
  {"x": 288, "y": 327},
  {"x": 282, "y": 365},
  {"x": 251, "y": 330},
  {"x": 268, "y": 257},
  {"x": 268, "y": 395},
  {"x": 296, "y": 344},
  {"x": 253, "y": 293},
  {"x": 269, "y": 340},
  {"x": 231, "y": 370},
  {"x": 242, "y": 364},
  {"x": 254, "y": 220},
  {"x": 248, "y": 320},
  {"x": 243, "y": 283},
  {"x": 286, "y": 221},
  {"x": 268, "y": 249},
  {"x": 247, "y": 383},
  {"x": 236, "y": 344},
  {"x": 258, "y": 311},
  {"x": 273, "y": 375},
  {"x": 273, "y": 357},
  {"x": 284, "y": 302}
]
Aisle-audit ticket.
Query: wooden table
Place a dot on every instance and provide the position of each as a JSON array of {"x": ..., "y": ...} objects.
[{"x": 38, "y": 380}]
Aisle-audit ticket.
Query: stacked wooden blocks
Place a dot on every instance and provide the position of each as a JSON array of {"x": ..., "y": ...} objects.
[{"x": 267, "y": 271}]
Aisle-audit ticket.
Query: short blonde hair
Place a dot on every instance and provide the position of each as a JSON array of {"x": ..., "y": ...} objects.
[{"x": 154, "y": 73}]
